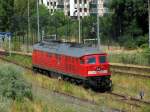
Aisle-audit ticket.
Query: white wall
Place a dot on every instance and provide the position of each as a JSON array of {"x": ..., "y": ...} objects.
[{"x": 72, "y": 7}]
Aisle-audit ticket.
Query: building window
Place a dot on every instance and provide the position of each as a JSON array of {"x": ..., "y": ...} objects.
[
  {"x": 80, "y": 9},
  {"x": 54, "y": 3},
  {"x": 80, "y": 1},
  {"x": 85, "y": 1},
  {"x": 85, "y": 9},
  {"x": 75, "y": 1},
  {"x": 47, "y": 3}
]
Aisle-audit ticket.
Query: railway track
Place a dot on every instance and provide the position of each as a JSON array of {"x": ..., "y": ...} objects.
[
  {"x": 129, "y": 70},
  {"x": 137, "y": 71},
  {"x": 126, "y": 99},
  {"x": 62, "y": 93}
]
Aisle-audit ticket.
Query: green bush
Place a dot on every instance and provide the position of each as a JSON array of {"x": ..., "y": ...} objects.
[
  {"x": 12, "y": 84},
  {"x": 144, "y": 45},
  {"x": 142, "y": 41},
  {"x": 130, "y": 44}
]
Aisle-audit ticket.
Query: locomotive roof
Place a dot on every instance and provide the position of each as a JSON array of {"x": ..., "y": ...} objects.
[{"x": 69, "y": 49}]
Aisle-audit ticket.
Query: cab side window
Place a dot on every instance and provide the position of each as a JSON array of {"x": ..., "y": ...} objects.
[
  {"x": 91, "y": 60},
  {"x": 102, "y": 59}
]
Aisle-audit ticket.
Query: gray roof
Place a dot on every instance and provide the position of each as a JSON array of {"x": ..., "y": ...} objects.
[{"x": 68, "y": 49}]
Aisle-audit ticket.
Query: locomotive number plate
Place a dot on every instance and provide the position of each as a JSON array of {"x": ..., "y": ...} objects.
[{"x": 103, "y": 71}]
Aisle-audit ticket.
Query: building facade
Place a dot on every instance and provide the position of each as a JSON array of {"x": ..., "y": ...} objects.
[{"x": 75, "y": 8}]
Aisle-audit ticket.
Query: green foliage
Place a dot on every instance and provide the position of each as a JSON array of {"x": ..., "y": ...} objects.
[
  {"x": 25, "y": 60},
  {"x": 146, "y": 54},
  {"x": 12, "y": 84},
  {"x": 128, "y": 59},
  {"x": 129, "y": 44},
  {"x": 130, "y": 20},
  {"x": 67, "y": 87},
  {"x": 4, "y": 104},
  {"x": 127, "y": 24},
  {"x": 146, "y": 109},
  {"x": 142, "y": 41},
  {"x": 16, "y": 46},
  {"x": 6, "y": 13}
]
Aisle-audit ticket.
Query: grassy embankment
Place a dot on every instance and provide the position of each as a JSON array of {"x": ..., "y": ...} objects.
[
  {"x": 15, "y": 92},
  {"x": 21, "y": 95},
  {"x": 136, "y": 57},
  {"x": 122, "y": 84}
]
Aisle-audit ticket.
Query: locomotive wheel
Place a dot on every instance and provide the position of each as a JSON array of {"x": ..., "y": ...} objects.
[
  {"x": 78, "y": 82},
  {"x": 66, "y": 78},
  {"x": 110, "y": 87},
  {"x": 86, "y": 85},
  {"x": 72, "y": 81},
  {"x": 34, "y": 69},
  {"x": 49, "y": 74}
]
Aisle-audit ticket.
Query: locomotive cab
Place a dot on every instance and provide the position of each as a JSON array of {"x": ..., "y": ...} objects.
[
  {"x": 96, "y": 65},
  {"x": 97, "y": 70}
]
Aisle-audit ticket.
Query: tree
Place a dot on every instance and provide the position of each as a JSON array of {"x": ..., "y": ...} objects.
[
  {"x": 129, "y": 19},
  {"x": 6, "y": 13}
]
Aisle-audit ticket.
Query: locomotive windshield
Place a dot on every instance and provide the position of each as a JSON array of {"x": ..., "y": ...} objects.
[
  {"x": 91, "y": 60},
  {"x": 102, "y": 59}
]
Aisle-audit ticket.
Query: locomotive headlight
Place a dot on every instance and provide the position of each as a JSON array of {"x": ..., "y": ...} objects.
[{"x": 91, "y": 72}]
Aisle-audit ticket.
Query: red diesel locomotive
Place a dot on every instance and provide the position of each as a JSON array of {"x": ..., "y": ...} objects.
[{"x": 77, "y": 63}]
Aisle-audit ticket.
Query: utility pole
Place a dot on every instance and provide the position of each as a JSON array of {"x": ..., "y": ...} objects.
[
  {"x": 78, "y": 9},
  {"x": 149, "y": 19},
  {"x": 98, "y": 36},
  {"x": 28, "y": 26},
  {"x": 38, "y": 22}
]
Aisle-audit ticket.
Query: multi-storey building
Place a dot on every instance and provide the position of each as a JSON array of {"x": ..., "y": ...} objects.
[{"x": 76, "y": 7}]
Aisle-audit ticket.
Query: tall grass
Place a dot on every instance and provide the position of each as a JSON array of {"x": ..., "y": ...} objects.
[
  {"x": 4, "y": 104},
  {"x": 129, "y": 58},
  {"x": 25, "y": 60},
  {"x": 131, "y": 86},
  {"x": 104, "y": 100}
]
